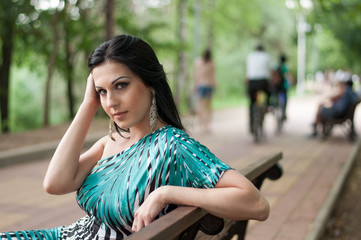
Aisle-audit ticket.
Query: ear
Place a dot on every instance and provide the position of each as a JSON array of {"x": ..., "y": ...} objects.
[{"x": 152, "y": 91}]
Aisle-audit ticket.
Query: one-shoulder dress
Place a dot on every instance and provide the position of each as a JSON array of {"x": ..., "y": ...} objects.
[{"x": 119, "y": 184}]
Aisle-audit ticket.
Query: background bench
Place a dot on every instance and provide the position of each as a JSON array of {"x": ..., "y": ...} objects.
[
  {"x": 195, "y": 223},
  {"x": 347, "y": 121}
]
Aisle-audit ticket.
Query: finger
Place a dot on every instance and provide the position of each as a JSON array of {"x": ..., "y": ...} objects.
[
  {"x": 135, "y": 221},
  {"x": 138, "y": 222},
  {"x": 134, "y": 227},
  {"x": 138, "y": 225}
]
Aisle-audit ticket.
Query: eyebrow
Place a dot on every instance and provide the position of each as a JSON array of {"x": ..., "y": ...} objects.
[
  {"x": 121, "y": 77},
  {"x": 115, "y": 80}
]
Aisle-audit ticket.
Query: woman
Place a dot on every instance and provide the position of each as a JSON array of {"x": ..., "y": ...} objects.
[
  {"x": 204, "y": 74},
  {"x": 127, "y": 180}
]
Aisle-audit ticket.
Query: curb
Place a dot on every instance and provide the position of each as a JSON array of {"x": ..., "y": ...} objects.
[
  {"x": 46, "y": 150},
  {"x": 38, "y": 151},
  {"x": 318, "y": 225}
]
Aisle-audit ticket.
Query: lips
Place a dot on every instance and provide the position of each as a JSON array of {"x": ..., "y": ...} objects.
[{"x": 119, "y": 115}]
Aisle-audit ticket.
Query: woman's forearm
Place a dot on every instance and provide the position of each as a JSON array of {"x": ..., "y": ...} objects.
[
  {"x": 62, "y": 170},
  {"x": 227, "y": 202}
]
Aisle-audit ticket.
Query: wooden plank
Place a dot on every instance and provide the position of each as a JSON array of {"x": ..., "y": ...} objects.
[
  {"x": 170, "y": 225},
  {"x": 255, "y": 169}
]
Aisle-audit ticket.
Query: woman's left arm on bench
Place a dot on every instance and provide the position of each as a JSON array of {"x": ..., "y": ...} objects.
[{"x": 234, "y": 197}]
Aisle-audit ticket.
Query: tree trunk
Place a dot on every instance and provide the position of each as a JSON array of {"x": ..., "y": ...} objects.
[
  {"x": 69, "y": 63},
  {"x": 210, "y": 33},
  {"x": 51, "y": 68},
  {"x": 109, "y": 19},
  {"x": 7, "y": 37},
  {"x": 197, "y": 29},
  {"x": 181, "y": 58},
  {"x": 69, "y": 76}
]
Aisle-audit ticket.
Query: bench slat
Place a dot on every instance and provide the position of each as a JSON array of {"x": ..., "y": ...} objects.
[
  {"x": 170, "y": 225},
  {"x": 253, "y": 170}
]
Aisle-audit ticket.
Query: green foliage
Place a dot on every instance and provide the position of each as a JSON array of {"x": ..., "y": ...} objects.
[
  {"x": 341, "y": 20},
  {"x": 238, "y": 26},
  {"x": 25, "y": 100},
  {"x": 330, "y": 49}
]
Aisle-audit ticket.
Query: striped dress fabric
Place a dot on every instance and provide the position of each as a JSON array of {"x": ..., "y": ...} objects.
[{"x": 119, "y": 184}]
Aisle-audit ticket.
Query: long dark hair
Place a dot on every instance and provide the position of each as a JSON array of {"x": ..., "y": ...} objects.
[
  {"x": 140, "y": 58},
  {"x": 207, "y": 55}
]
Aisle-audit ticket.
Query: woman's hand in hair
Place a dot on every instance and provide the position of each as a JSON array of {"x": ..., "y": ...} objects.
[{"x": 91, "y": 96}]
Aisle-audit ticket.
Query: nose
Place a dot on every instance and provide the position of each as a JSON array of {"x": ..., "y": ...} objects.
[{"x": 111, "y": 100}]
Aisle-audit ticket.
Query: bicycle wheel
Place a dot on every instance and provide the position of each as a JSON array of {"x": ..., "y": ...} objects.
[
  {"x": 279, "y": 111},
  {"x": 257, "y": 123},
  {"x": 279, "y": 118}
]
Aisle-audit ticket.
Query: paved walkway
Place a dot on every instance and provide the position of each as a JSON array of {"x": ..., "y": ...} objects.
[{"x": 310, "y": 169}]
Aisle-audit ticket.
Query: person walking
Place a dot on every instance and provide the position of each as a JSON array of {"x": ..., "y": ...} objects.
[{"x": 205, "y": 79}]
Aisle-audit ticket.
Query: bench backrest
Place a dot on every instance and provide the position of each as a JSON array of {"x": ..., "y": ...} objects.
[
  {"x": 184, "y": 222},
  {"x": 348, "y": 116}
]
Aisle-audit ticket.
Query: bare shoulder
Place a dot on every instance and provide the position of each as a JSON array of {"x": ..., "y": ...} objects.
[
  {"x": 94, "y": 153},
  {"x": 111, "y": 147},
  {"x": 103, "y": 141}
]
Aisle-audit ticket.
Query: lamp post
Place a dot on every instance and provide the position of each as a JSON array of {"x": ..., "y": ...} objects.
[
  {"x": 302, "y": 28},
  {"x": 301, "y": 54}
]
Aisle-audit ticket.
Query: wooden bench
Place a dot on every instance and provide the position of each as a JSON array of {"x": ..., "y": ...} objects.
[
  {"x": 346, "y": 121},
  {"x": 194, "y": 223}
]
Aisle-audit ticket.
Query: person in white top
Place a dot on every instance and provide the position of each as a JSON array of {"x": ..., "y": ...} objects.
[
  {"x": 258, "y": 73},
  {"x": 205, "y": 79}
]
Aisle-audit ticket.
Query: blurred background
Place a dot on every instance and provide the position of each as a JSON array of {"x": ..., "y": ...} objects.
[{"x": 44, "y": 46}]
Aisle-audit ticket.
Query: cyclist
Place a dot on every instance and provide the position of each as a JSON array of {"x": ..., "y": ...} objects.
[{"x": 258, "y": 72}]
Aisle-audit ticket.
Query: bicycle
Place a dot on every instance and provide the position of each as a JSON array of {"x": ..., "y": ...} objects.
[{"x": 259, "y": 110}]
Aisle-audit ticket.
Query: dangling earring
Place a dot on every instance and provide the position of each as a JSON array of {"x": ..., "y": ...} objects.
[
  {"x": 111, "y": 129},
  {"x": 153, "y": 113}
]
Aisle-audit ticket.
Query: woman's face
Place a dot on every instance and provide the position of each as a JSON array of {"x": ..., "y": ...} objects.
[{"x": 123, "y": 95}]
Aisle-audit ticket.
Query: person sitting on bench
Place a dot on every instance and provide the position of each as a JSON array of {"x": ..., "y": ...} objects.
[{"x": 338, "y": 104}]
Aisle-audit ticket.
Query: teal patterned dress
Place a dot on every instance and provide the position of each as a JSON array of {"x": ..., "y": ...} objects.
[{"x": 119, "y": 184}]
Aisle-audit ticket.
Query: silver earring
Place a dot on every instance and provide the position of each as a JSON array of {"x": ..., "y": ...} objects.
[
  {"x": 153, "y": 113},
  {"x": 111, "y": 129}
]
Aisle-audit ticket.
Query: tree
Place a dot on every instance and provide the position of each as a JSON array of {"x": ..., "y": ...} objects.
[
  {"x": 51, "y": 67},
  {"x": 342, "y": 19},
  {"x": 79, "y": 40},
  {"x": 10, "y": 11},
  {"x": 181, "y": 58},
  {"x": 69, "y": 58},
  {"x": 210, "y": 28},
  {"x": 7, "y": 36},
  {"x": 109, "y": 19}
]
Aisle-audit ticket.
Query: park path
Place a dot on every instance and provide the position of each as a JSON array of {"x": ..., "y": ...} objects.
[{"x": 310, "y": 169}]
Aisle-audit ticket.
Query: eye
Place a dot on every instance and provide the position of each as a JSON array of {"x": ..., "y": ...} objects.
[
  {"x": 102, "y": 92},
  {"x": 121, "y": 85}
]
